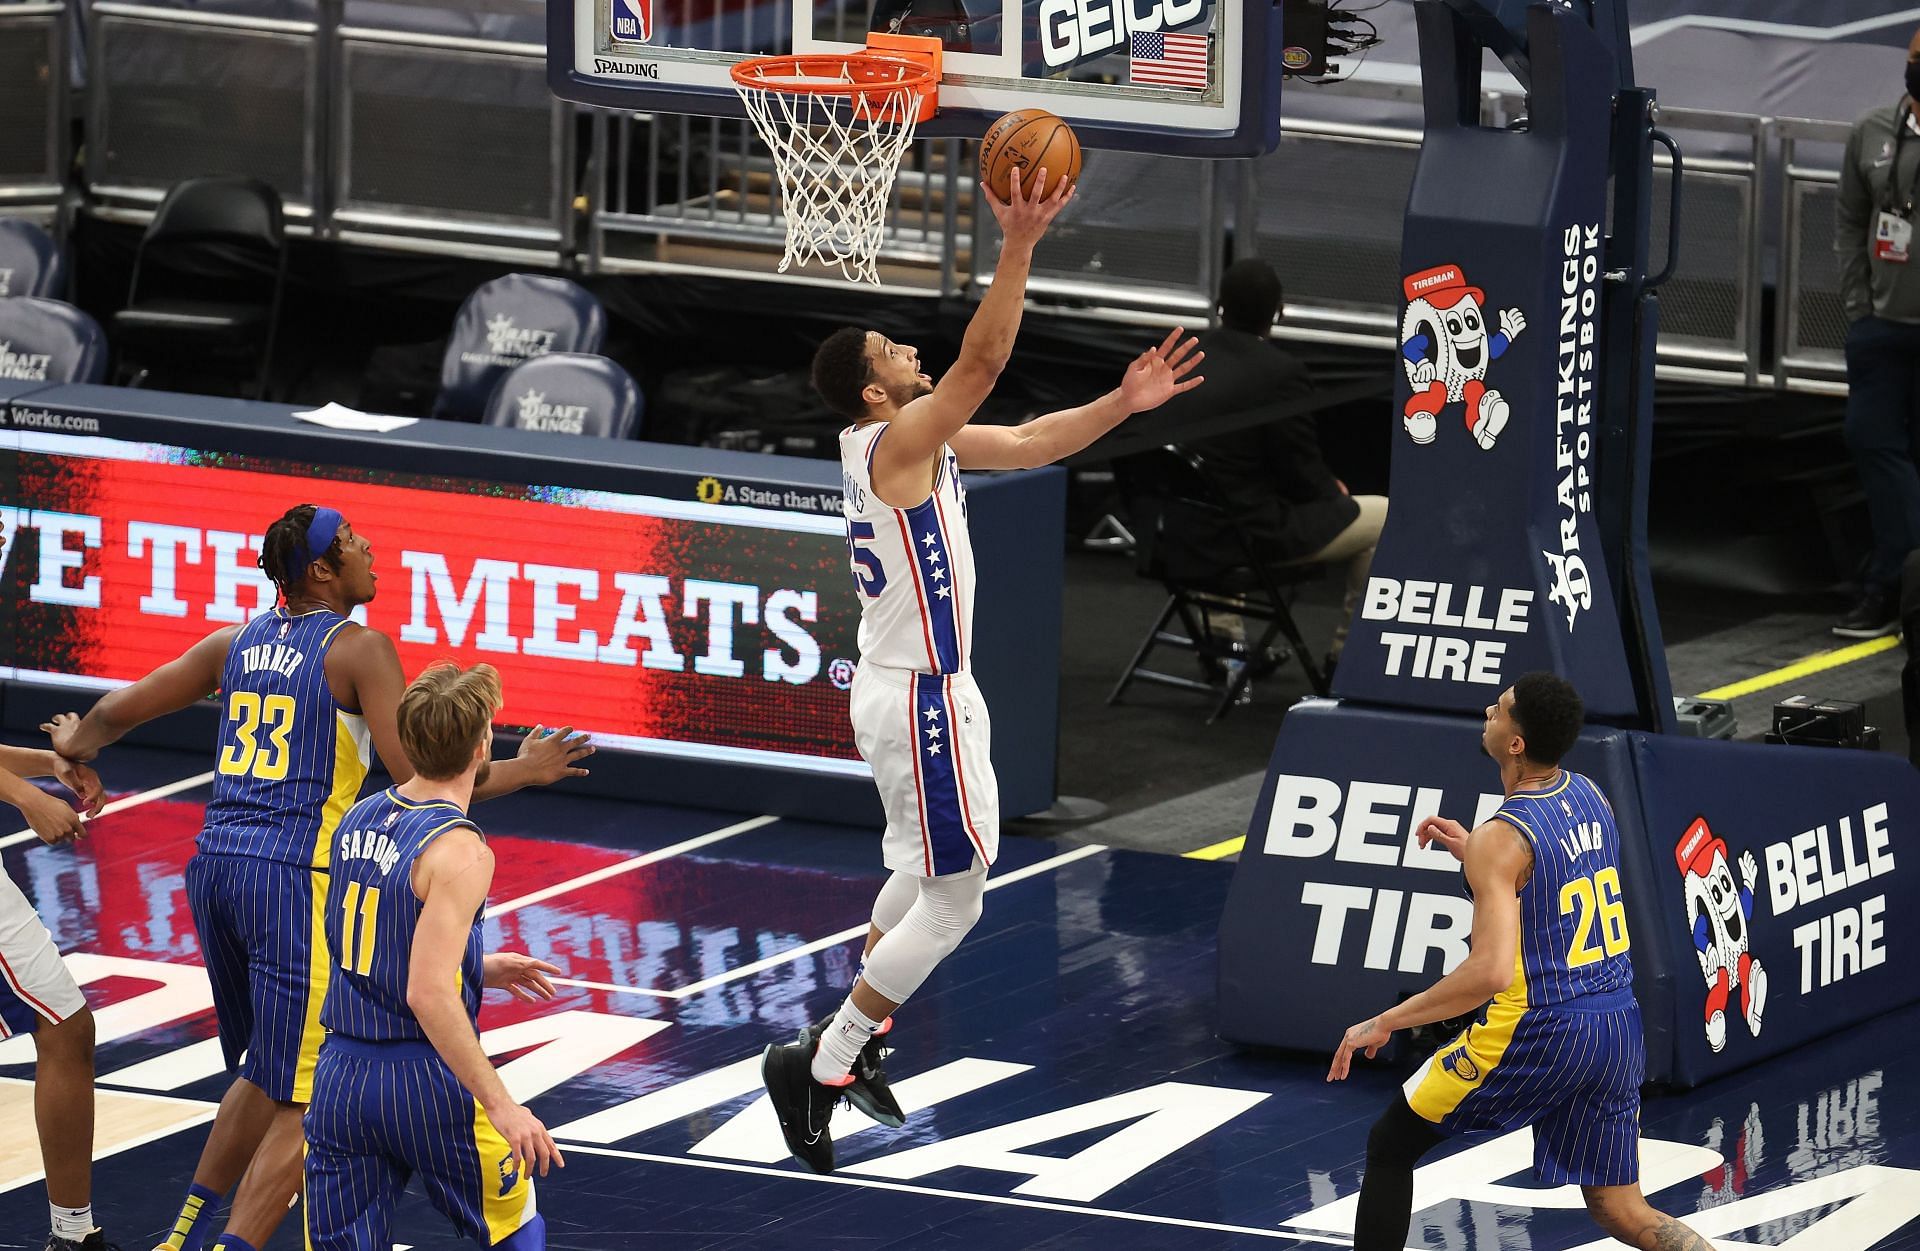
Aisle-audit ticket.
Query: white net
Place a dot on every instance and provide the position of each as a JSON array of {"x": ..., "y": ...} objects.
[{"x": 835, "y": 155}]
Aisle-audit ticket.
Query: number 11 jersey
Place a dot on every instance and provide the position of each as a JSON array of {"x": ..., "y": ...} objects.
[
  {"x": 371, "y": 914},
  {"x": 912, "y": 567}
]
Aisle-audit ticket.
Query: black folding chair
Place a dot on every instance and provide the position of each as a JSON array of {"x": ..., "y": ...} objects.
[
  {"x": 208, "y": 279},
  {"x": 1167, "y": 490}
]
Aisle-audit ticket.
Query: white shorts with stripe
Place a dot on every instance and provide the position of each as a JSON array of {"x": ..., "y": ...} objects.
[
  {"x": 34, "y": 983},
  {"x": 929, "y": 741}
]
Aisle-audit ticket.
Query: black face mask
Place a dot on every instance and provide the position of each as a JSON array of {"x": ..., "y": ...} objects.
[{"x": 1913, "y": 80}]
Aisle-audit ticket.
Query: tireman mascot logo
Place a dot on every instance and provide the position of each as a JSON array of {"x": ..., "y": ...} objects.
[
  {"x": 1445, "y": 343},
  {"x": 1722, "y": 919}
]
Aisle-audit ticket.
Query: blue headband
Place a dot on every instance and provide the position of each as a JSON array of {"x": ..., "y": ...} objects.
[{"x": 319, "y": 537}]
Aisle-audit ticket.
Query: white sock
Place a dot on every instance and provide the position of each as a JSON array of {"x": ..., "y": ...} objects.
[
  {"x": 840, "y": 1045},
  {"x": 73, "y": 1224}
]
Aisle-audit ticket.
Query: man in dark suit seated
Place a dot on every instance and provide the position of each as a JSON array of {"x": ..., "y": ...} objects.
[{"x": 1272, "y": 474}]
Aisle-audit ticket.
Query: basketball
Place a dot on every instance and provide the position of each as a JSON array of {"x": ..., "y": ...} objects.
[{"x": 1027, "y": 139}]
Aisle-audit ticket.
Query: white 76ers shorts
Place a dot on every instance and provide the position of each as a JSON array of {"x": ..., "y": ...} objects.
[
  {"x": 928, "y": 739},
  {"x": 34, "y": 983}
]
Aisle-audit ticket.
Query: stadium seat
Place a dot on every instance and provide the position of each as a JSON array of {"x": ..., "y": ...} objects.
[
  {"x": 503, "y": 323},
  {"x": 207, "y": 281},
  {"x": 30, "y": 261},
  {"x": 570, "y": 393},
  {"x": 1167, "y": 491},
  {"x": 47, "y": 341}
]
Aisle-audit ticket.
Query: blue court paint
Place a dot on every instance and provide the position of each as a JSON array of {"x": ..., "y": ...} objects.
[{"x": 1086, "y": 996}]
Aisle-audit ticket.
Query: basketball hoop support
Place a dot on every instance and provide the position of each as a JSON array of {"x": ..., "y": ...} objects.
[{"x": 921, "y": 50}]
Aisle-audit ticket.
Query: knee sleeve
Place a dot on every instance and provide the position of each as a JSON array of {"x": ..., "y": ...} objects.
[
  {"x": 890, "y": 906},
  {"x": 1400, "y": 1137},
  {"x": 944, "y": 910}
]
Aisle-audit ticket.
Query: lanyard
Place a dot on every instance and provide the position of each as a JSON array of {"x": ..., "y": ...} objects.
[{"x": 1902, "y": 126}]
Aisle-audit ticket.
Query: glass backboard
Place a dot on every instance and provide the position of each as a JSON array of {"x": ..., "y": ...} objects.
[{"x": 1184, "y": 77}]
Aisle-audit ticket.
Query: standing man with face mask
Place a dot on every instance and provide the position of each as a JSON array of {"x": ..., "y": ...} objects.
[{"x": 1880, "y": 286}]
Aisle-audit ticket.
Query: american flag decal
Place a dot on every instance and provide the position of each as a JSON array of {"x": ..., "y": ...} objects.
[{"x": 1163, "y": 60}]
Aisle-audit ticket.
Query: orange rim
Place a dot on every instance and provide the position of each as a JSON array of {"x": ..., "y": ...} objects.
[{"x": 828, "y": 74}]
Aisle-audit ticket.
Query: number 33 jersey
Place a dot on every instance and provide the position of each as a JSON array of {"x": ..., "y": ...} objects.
[
  {"x": 290, "y": 759},
  {"x": 912, "y": 567}
]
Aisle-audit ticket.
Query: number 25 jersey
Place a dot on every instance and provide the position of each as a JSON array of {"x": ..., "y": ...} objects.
[
  {"x": 290, "y": 759},
  {"x": 912, "y": 567}
]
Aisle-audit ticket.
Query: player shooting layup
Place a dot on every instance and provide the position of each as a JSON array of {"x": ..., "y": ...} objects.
[
  {"x": 1560, "y": 1047},
  {"x": 918, "y": 718}
]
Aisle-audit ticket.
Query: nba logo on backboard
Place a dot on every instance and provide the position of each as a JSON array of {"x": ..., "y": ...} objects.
[{"x": 633, "y": 19}]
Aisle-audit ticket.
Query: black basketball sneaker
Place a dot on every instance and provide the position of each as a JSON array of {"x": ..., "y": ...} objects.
[
  {"x": 95, "y": 1241},
  {"x": 869, "y": 1091},
  {"x": 804, "y": 1106}
]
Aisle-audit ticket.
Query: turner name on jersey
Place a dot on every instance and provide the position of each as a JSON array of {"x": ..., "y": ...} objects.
[{"x": 913, "y": 567}]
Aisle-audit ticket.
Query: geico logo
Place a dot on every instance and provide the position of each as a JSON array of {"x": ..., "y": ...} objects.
[
  {"x": 1076, "y": 30},
  {"x": 1364, "y": 822},
  {"x": 441, "y": 612}
]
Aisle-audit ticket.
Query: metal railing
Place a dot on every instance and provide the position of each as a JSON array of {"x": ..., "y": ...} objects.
[
  {"x": 1810, "y": 320},
  {"x": 393, "y": 138},
  {"x": 451, "y": 144},
  {"x": 699, "y": 193},
  {"x": 33, "y": 100},
  {"x": 177, "y": 94},
  {"x": 1144, "y": 243}
]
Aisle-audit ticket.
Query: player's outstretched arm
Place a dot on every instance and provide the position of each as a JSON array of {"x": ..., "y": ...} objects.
[
  {"x": 1498, "y": 858},
  {"x": 1155, "y": 376},
  {"x": 50, "y": 817},
  {"x": 451, "y": 878},
  {"x": 520, "y": 975},
  {"x": 545, "y": 757},
  {"x": 177, "y": 684},
  {"x": 924, "y": 424},
  {"x": 375, "y": 683}
]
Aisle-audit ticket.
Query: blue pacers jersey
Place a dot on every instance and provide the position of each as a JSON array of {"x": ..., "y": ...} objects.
[
  {"x": 290, "y": 759},
  {"x": 371, "y": 914},
  {"x": 1573, "y": 919}
]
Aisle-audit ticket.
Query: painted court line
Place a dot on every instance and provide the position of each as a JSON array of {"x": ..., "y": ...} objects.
[
  {"x": 1819, "y": 662},
  {"x": 1220, "y": 850},
  {"x": 628, "y": 866},
  {"x": 1014, "y": 1201},
  {"x": 583, "y": 984},
  {"x": 831, "y": 940},
  {"x": 122, "y": 804}
]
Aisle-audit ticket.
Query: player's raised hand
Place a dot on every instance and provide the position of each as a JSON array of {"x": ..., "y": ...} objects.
[
  {"x": 1368, "y": 1036},
  {"x": 551, "y": 754},
  {"x": 1162, "y": 372},
  {"x": 1449, "y": 834},
  {"x": 54, "y": 820},
  {"x": 532, "y": 1145},
  {"x": 62, "y": 729},
  {"x": 522, "y": 976},
  {"x": 1028, "y": 210}
]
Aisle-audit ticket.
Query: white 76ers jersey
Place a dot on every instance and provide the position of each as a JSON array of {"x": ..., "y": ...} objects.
[{"x": 912, "y": 567}]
